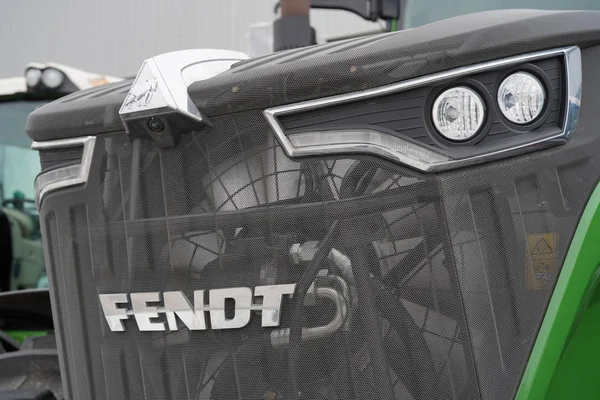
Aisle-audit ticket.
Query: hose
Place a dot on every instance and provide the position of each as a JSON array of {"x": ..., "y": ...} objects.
[
  {"x": 420, "y": 376},
  {"x": 301, "y": 288},
  {"x": 281, "y": 337}
]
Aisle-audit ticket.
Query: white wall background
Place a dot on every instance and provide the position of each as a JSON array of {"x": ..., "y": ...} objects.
[{"x": 114, "y": 36}]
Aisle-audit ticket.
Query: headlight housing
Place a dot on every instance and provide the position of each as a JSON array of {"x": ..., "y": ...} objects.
[{"x": 453, "y": 114}]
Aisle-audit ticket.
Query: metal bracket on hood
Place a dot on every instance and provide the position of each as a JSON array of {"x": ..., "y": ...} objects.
[{"x": 158, "y": 104}]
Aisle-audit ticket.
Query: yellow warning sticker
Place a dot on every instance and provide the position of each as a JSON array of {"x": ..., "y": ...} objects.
[{"x": 541, "y": 260}]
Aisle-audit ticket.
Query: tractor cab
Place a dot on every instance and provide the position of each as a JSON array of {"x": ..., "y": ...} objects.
[{"x": 21, "y": 257}]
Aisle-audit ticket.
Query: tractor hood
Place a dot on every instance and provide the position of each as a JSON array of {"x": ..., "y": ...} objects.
[{"x": 337, "y": 68}]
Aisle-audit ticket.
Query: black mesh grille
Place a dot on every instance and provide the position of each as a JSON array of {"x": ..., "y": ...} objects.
[{"x": 444, "y": 296}]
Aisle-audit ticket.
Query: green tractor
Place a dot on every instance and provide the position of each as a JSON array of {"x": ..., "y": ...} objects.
[{"x": 412, "y": 215}]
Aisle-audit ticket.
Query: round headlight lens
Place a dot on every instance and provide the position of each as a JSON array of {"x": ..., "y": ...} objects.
[
  {"x": 521, "y": 98},
  {"x": 458, "y": 113},
  {"x": 52, "y": 78},
  {"x": 32, "y": 76}
]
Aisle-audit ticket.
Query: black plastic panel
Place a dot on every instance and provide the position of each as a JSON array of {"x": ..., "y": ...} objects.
[
  {"x": 56, "y": 158},
  {"x": 23, "y": 310}
]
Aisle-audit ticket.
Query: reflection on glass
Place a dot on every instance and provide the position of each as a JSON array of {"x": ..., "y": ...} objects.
[
  {"x": 23, "y": 267},
  {"x": 421, "y": 12}
]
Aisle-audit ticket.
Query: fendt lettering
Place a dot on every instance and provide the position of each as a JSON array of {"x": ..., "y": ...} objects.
[{"x": 175, "y": 305}]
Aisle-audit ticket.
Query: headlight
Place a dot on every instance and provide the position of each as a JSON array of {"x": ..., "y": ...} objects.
[
  {"x": 521, "y": 98},
  {"x": 32, "y": 77},
  {"x": 52, "y": 78},
  {"x": 458, "y": 113}
]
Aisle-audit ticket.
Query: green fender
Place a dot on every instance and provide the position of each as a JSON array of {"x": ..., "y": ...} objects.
[{"x": 565, "y": 360}]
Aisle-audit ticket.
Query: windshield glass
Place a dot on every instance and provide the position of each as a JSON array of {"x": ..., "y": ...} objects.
[
  {"x": 19, "y": 165},
  {"x": 421, "y": 12}
]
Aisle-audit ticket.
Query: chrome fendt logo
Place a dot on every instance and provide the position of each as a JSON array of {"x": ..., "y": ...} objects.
[
  {"x": 141, "y": 94},
  {"x": 175, "y": 305}
]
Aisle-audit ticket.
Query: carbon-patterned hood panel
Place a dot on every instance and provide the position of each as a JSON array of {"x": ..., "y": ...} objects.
[
  {"x": 408, "y": 285},
  {"x": 363, "y": 63},
  {"x": 337, "y": 68}
]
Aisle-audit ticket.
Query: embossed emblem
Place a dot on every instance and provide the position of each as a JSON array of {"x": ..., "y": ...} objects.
[
  {"x": 141, "y": 94},
  {"x": 266, "y": 300}
]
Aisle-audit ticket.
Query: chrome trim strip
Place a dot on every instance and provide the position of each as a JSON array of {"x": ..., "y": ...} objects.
[
  {"x": 572, "y": 56},
  {"x": 88, "y": 143},
  {"x": 372, "y": 142}
]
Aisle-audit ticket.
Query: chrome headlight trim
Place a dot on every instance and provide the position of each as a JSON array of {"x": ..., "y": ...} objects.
[
  {"x": 572, "y": 60},
  {"x": 63, "y": 177},
  {"x": 367, "y": 141}
]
